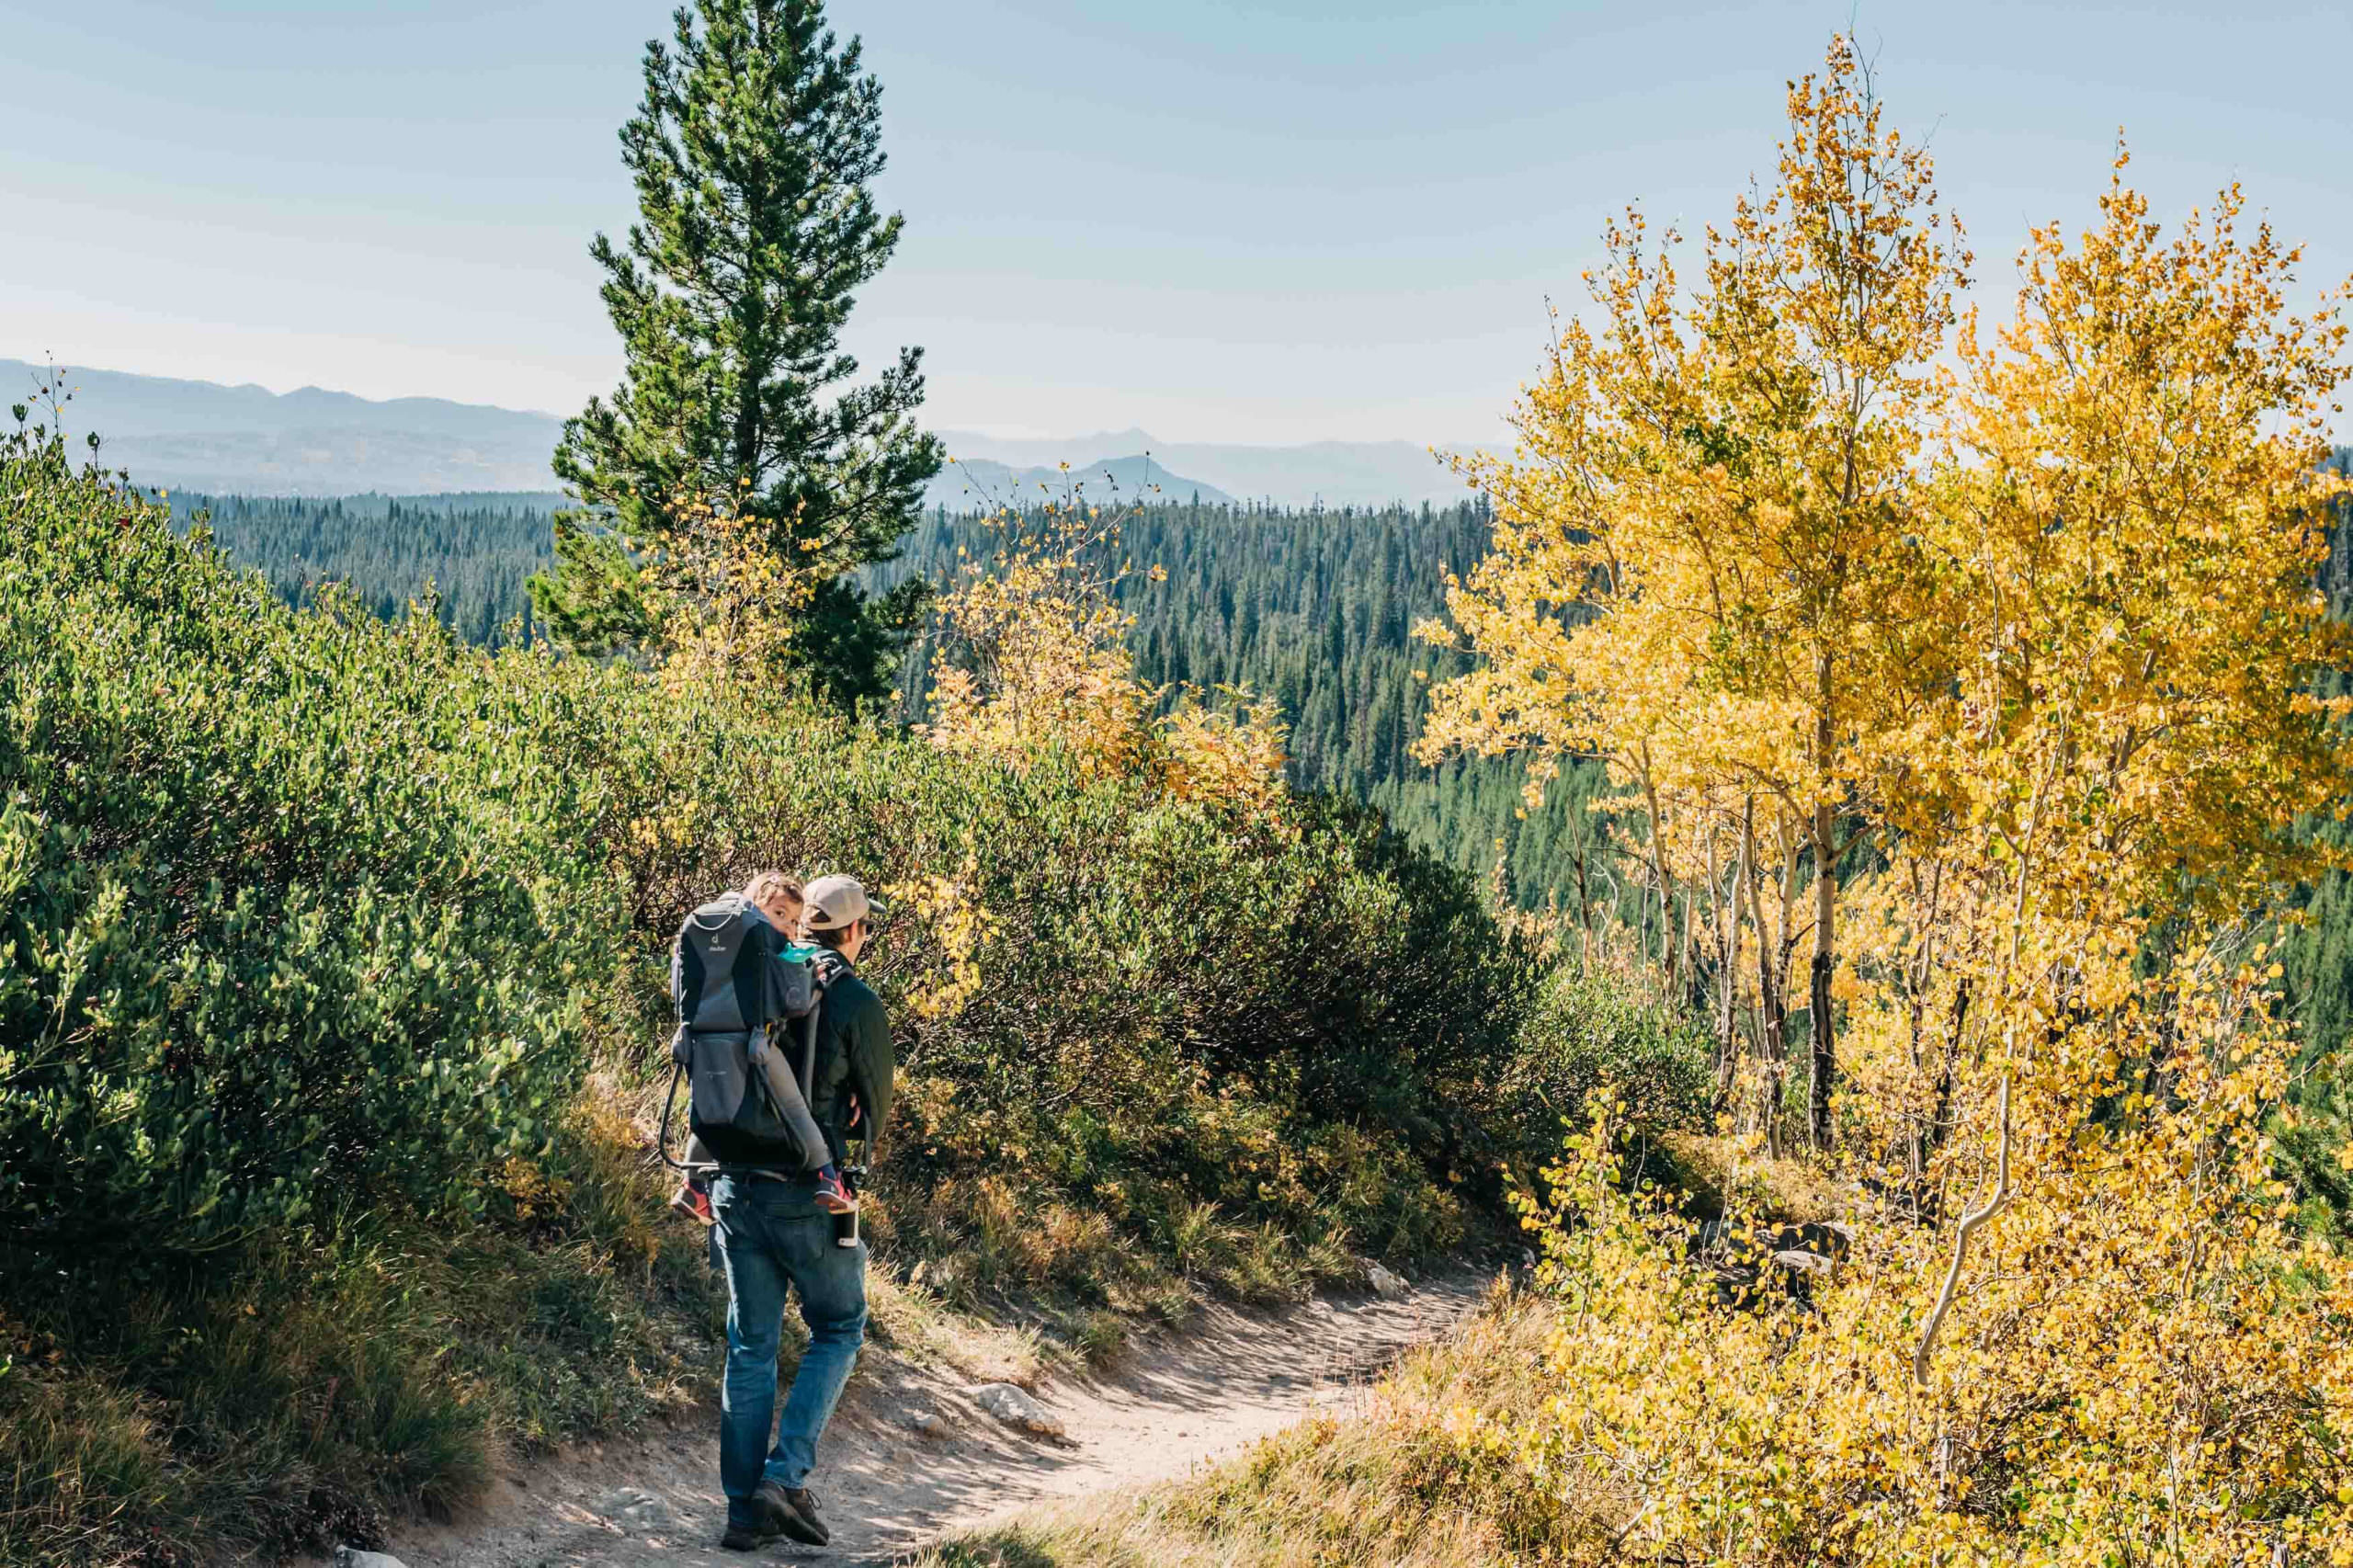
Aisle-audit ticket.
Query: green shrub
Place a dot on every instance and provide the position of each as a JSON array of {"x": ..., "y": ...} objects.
[
  {"x": 302, "y": 904},
  {"x": 1588, "y": 1027},
  {"x": 262, "y": 949},
  {"x": 1169, "y": 1007}
]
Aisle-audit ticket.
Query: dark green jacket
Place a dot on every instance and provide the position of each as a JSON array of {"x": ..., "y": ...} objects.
[{"x": 854, "y": 1056}]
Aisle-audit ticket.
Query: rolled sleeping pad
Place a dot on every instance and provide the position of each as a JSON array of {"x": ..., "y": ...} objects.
[{"x": 792, "y": 1106}]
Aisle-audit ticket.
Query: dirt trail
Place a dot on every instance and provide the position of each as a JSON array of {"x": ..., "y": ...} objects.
[{"x": 1176, "y": 1400}]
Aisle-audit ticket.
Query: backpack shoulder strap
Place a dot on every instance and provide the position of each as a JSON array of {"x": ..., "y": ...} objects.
[{"x": 809, "y": 1039}]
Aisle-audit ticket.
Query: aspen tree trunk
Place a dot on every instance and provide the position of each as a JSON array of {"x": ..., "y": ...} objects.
[
  {"x": 1916, "y": 1140},
  {"x": 1584, "y": 913},
  {"x": 1825, "y": 1055},
  {"x": 1826, "y": 898},
  {"x": 1768, "y": 1001},
  {"x": 1940, "y": 1115},
  {"x": 1917, "y": 1145},
  {"x": 1728, "y": 927},
  {"x": 1667, "y": 952},
  {"x": 1695, "y": 983}
]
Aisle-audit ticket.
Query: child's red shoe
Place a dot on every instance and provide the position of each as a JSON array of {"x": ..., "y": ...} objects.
[
  {"x": 693, "y": 1202},
  {"x": 832, "y": 1196}
]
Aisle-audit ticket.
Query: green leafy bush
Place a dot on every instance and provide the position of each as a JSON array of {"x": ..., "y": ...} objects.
[
  {"x": 1164, "y": 1005},
  {"x": 267, "y": 942},
  {"x": 1589, "y": 1027}
]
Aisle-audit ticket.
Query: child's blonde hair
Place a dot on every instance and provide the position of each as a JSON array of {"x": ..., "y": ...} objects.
[{"x": 767, "y": 885}]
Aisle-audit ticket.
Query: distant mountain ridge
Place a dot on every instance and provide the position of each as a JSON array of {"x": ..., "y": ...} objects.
[
  {"x": 1338, "y": 473},
  {"x": 982, "y": 484},
  {"x": 249, "y": 440},
  {"x": 201, "y": 435}
]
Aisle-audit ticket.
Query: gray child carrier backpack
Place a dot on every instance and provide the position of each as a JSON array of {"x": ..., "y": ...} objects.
[{"x": 746, "y": 1039}]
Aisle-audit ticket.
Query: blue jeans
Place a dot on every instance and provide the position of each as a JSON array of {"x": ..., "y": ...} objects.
[{"x": 771, "y": 1235}]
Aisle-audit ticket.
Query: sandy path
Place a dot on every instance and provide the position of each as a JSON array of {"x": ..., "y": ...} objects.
[{"x": 1201, "y": 1393}]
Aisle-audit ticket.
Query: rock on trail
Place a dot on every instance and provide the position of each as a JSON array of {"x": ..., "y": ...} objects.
[
  {"x": 1010, "y": 1404},
  {"x": 916, "y": 1451}
]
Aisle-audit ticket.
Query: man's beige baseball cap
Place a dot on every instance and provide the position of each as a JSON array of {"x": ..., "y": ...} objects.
[{"x": 831, "y": 902}]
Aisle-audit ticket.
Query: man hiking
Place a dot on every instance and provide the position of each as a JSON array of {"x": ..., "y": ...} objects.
[
  {"x": 772, "y": 1232},
  {"x": 776, "y": 897}
]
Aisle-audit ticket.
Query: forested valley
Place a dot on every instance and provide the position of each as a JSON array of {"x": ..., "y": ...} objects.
[
  {"x": 1313, "y": 608},
  {"x": 467, "y": 556}
]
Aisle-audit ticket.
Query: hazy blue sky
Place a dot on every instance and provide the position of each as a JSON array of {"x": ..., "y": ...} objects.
[{"x": 1223, "y": 221}]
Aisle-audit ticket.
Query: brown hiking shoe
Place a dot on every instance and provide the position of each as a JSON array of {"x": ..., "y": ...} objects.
[
  {"x": 794, "y": 1512},
  {"x": 750, "y": 1538}
]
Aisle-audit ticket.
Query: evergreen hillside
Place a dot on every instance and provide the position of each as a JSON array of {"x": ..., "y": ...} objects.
[
  {"x": 473, "y": 554},
  {"x": 1317, "y": 610},
  {"x": 1313, "y": 608}
]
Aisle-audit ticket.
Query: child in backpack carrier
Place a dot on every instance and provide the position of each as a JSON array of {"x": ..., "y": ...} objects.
[{"x": 777, "y": 896}]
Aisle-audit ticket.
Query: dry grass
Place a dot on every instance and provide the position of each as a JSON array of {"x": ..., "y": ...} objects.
[
  {"x": 921, "y": 1328},
  {"x": 1726, "y": 1173},
  {"x": 1390, "y": 1488}
]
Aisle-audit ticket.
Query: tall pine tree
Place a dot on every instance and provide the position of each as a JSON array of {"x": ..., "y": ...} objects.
[{"x": 753, "y": 154}]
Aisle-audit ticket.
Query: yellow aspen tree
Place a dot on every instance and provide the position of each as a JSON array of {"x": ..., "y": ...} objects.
[
  {"x": 1034, "y": 654},
  {"x": 1034, "y": 660},
  {"x": 2136, "y": 511},
  {"x": 1706, "y": 564},
  {"x": 719, "y": 601},
  {"x": 2095, "y": 1334}
]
